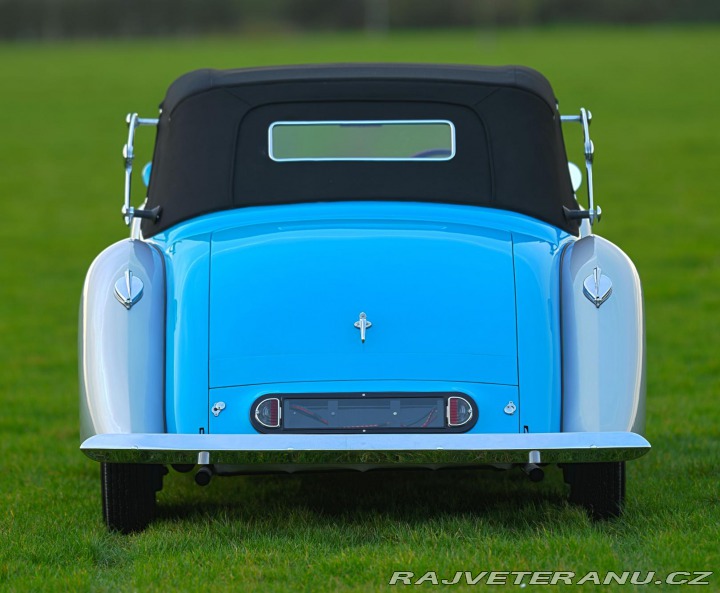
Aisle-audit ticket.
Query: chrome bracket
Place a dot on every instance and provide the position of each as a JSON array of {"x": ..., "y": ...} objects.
[
  {"x": 128, "y": 212},
  {"x": 593, "y": 213},
  {"x": 597, "y": 287},
  {"x": 128, "y": 289},
  {"x": 217, "y": 408},
  {"x": 363, "y": 324}
]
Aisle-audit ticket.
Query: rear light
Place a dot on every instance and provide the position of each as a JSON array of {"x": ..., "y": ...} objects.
[
  {"x": 459, "y": 411},
  {"x": 268, "y": 413},
  {"x": 349, "y": 413}
]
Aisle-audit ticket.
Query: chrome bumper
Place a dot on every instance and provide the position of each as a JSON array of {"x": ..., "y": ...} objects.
[{"x": 359, "y": 449}]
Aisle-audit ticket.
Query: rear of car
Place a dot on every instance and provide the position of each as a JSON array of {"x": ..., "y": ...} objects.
[{"x": 358, "y": 267}]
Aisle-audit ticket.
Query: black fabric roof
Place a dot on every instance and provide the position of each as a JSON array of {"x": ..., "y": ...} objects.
[{"x": 211, "y": 151}]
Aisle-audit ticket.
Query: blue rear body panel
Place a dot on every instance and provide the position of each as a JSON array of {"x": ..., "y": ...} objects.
[
  {"x": 263, "y": 300},
  {"x": 283, "y": 304}
]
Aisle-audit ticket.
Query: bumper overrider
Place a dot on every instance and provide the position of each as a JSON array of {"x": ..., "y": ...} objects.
[{"x": 371, "y": 450}]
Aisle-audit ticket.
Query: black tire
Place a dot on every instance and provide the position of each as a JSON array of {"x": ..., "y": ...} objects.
[
  {"x": 128, "y": 494},
  {"x": 599, "y": 487}
]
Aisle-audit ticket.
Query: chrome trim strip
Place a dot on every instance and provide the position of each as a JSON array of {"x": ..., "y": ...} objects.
[{"x": 354, "y": 449}]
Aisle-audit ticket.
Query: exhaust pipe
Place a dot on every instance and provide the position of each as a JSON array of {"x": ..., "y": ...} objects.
[
  {"x": 535, "y": 473},
  {"x": 204, "y": 475}
]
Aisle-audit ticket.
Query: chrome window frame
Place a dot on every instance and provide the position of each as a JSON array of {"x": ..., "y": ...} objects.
[{"x": 362, "y": 122}]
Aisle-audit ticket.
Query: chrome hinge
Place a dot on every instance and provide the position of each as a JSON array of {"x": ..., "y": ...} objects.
[
  {"x": 128, "y": 212},
  {"x": 593, "y": 213}
]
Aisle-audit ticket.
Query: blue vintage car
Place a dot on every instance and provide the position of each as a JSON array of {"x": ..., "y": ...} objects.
[{"x": 361, "y": 267}]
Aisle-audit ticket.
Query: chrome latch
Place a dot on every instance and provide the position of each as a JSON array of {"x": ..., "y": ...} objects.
[
  {"x": 510, "y": 408},
  {"x": 597, "y": 287},
  {"x": 363, "y": 324},
  {"x": 217, "y": 408},
  {"x": 128, "y": 289}
]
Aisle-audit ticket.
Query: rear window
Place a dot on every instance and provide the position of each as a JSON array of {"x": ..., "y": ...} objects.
[{"x": 362, "y": 140}]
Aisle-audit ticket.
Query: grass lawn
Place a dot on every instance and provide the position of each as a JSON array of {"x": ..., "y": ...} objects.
[{"x": 654, "y": 94}]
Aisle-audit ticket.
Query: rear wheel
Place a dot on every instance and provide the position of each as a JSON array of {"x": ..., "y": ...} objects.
[
  {"x": 128, "y": 494},
  {"x": 599, "y": 487}
]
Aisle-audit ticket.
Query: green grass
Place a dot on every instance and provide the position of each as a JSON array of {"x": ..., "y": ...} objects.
[{"x": 654, "y": 93}]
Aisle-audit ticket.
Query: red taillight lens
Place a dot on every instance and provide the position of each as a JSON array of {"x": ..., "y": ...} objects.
[
  {"x": 267, "y": 412},
  {"x": 459, "y": 411}
]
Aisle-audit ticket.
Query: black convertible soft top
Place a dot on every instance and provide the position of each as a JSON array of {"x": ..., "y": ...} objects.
[{"x": 211, "y": 151}]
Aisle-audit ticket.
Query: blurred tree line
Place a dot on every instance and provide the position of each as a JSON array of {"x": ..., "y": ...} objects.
[{"x": 52, "y": 19}]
